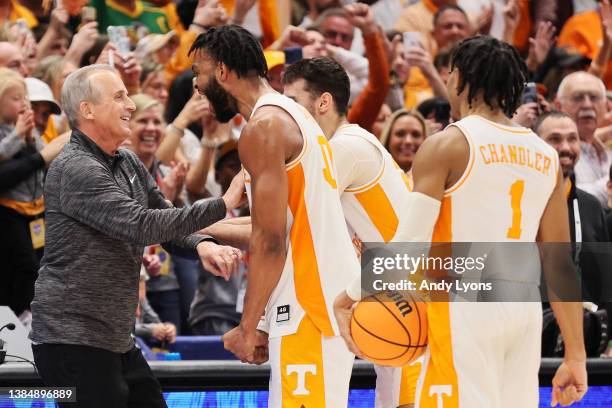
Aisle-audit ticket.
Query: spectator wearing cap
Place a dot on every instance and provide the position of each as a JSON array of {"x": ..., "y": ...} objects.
[
  {"x": 43, "y": 103},
  {"x": 53, "y": 70},
  {"x": 276, "y": 62},
  {"x": 158, "y": 47}
]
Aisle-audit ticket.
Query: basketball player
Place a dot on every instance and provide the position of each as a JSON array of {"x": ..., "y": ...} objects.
[
  {"x": 374, "y": 190},
  {"x": 301, "y": 255},
  {"x": 487, "y": 355}
]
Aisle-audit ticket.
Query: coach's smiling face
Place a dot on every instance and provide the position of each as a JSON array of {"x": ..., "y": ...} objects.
[
  {"x": 111, "y": 108},
  {"x": 206, "y": 70}
]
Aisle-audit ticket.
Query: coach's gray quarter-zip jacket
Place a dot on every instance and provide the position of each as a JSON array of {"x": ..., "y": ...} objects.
[{"x": 101, "y": 211}]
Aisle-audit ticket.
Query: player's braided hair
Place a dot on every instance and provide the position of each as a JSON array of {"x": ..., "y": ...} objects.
[
  {"x": 235, "y": 47},
  {"x": 493, "y": 67}
]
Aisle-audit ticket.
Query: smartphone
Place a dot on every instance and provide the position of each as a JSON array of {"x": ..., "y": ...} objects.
[
  {"x": 530, "y": 93},
  {"x": 412, "y": 39},
  {"x": 118, "y": 36},
  {"x": 292, "y": 55},
  {"x": 88, "y": 14}
]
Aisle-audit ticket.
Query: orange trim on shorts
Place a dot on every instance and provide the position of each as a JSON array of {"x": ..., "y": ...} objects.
[
  {"x": 440, "y": 372},
  {"x": 303, "y": 348},
  {"x": 306, "y": 278},
  {"x": 377, "y": 206},
  {"x": 440, "y": 369},
  {"x": 408, "y": 382},
  {"x": 443, "y": 228}
]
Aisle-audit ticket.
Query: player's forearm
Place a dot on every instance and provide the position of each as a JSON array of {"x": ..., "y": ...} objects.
[
  {"x": 569, "y": 318},
  {"x": 227, "y": 233},
  {"x": 266, "y": 261}
]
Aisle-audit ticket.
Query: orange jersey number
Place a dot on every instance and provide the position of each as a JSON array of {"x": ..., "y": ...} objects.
[
  {"x": 516, "y": 196},
  {"x": 328, "y": 159}
]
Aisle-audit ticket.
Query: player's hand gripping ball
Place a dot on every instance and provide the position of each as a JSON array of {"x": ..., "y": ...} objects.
[{"x": 390, "y": 328}]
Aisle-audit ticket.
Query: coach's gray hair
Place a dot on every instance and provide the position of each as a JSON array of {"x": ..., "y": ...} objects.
[{"x": 77, "y": 88}]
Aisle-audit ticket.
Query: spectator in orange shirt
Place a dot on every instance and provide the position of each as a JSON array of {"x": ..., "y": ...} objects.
[
  {"x": 584, "y": 33},
  {"x": 450, "y": 26}
]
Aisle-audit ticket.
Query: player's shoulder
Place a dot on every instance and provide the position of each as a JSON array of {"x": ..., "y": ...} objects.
[
  {"x": 270, "y": 129},
  {"x": 269, "y": 119},
  {"x": 446, "y": 142},
  {"x": 356, "y": 140}
]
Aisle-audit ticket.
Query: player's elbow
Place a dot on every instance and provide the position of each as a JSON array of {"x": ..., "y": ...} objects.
[{"x": 268, "y": 242}]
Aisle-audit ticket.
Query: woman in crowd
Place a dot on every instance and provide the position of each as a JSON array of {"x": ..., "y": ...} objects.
[
  {"x": 402, "y": 136},
  {"x": 147, "y": 125},
  {"x": 153, "y": 81}
]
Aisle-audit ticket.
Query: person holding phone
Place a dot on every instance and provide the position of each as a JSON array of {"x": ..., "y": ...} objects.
[{"x": 450, "y": 25}]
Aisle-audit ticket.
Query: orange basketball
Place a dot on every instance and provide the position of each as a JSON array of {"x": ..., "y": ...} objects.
[{"x": 390, "y": 328}]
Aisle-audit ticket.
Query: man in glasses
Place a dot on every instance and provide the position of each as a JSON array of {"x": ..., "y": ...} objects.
[
  {"x": 336, "y": 27},
  {"x": 582, "y": 96}
]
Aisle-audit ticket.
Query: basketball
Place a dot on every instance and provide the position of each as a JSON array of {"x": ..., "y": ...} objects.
[{"x": 390, "y": 328}]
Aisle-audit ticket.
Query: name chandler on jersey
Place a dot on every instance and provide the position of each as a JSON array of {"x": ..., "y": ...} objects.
[{"x": 519, "y": 155}]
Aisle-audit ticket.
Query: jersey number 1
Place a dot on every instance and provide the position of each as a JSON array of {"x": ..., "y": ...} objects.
[
  {"x": 327, "y": 158},
  {"x": 516, "y": 196}
]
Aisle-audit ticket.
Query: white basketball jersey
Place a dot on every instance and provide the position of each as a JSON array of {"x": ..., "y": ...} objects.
[
  {"x": 374, "y": 210},
  {"x": 502, "y": 195},
  {"x": 321, "y": 260}
]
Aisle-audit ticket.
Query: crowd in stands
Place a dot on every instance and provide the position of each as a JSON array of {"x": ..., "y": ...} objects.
[{"x": 397, "y": 56}]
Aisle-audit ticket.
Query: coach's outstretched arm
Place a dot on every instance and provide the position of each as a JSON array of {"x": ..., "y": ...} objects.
[
  {"x": 263, "y": 150},
  {"x": 570, "y": 380}
]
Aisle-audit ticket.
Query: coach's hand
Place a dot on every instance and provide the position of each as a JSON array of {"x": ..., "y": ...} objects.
[
  {"x": 343, "y": 310},
  {"x": 242, "y": 343},
  {"x": 569, "y": 383},
  {"x": 220, "y": 260}
]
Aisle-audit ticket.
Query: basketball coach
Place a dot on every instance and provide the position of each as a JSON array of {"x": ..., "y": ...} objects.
[{"x": 102, "y": 208}]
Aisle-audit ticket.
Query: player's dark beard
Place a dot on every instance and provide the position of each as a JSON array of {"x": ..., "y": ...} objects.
[{"x": 224, "y": 104}]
